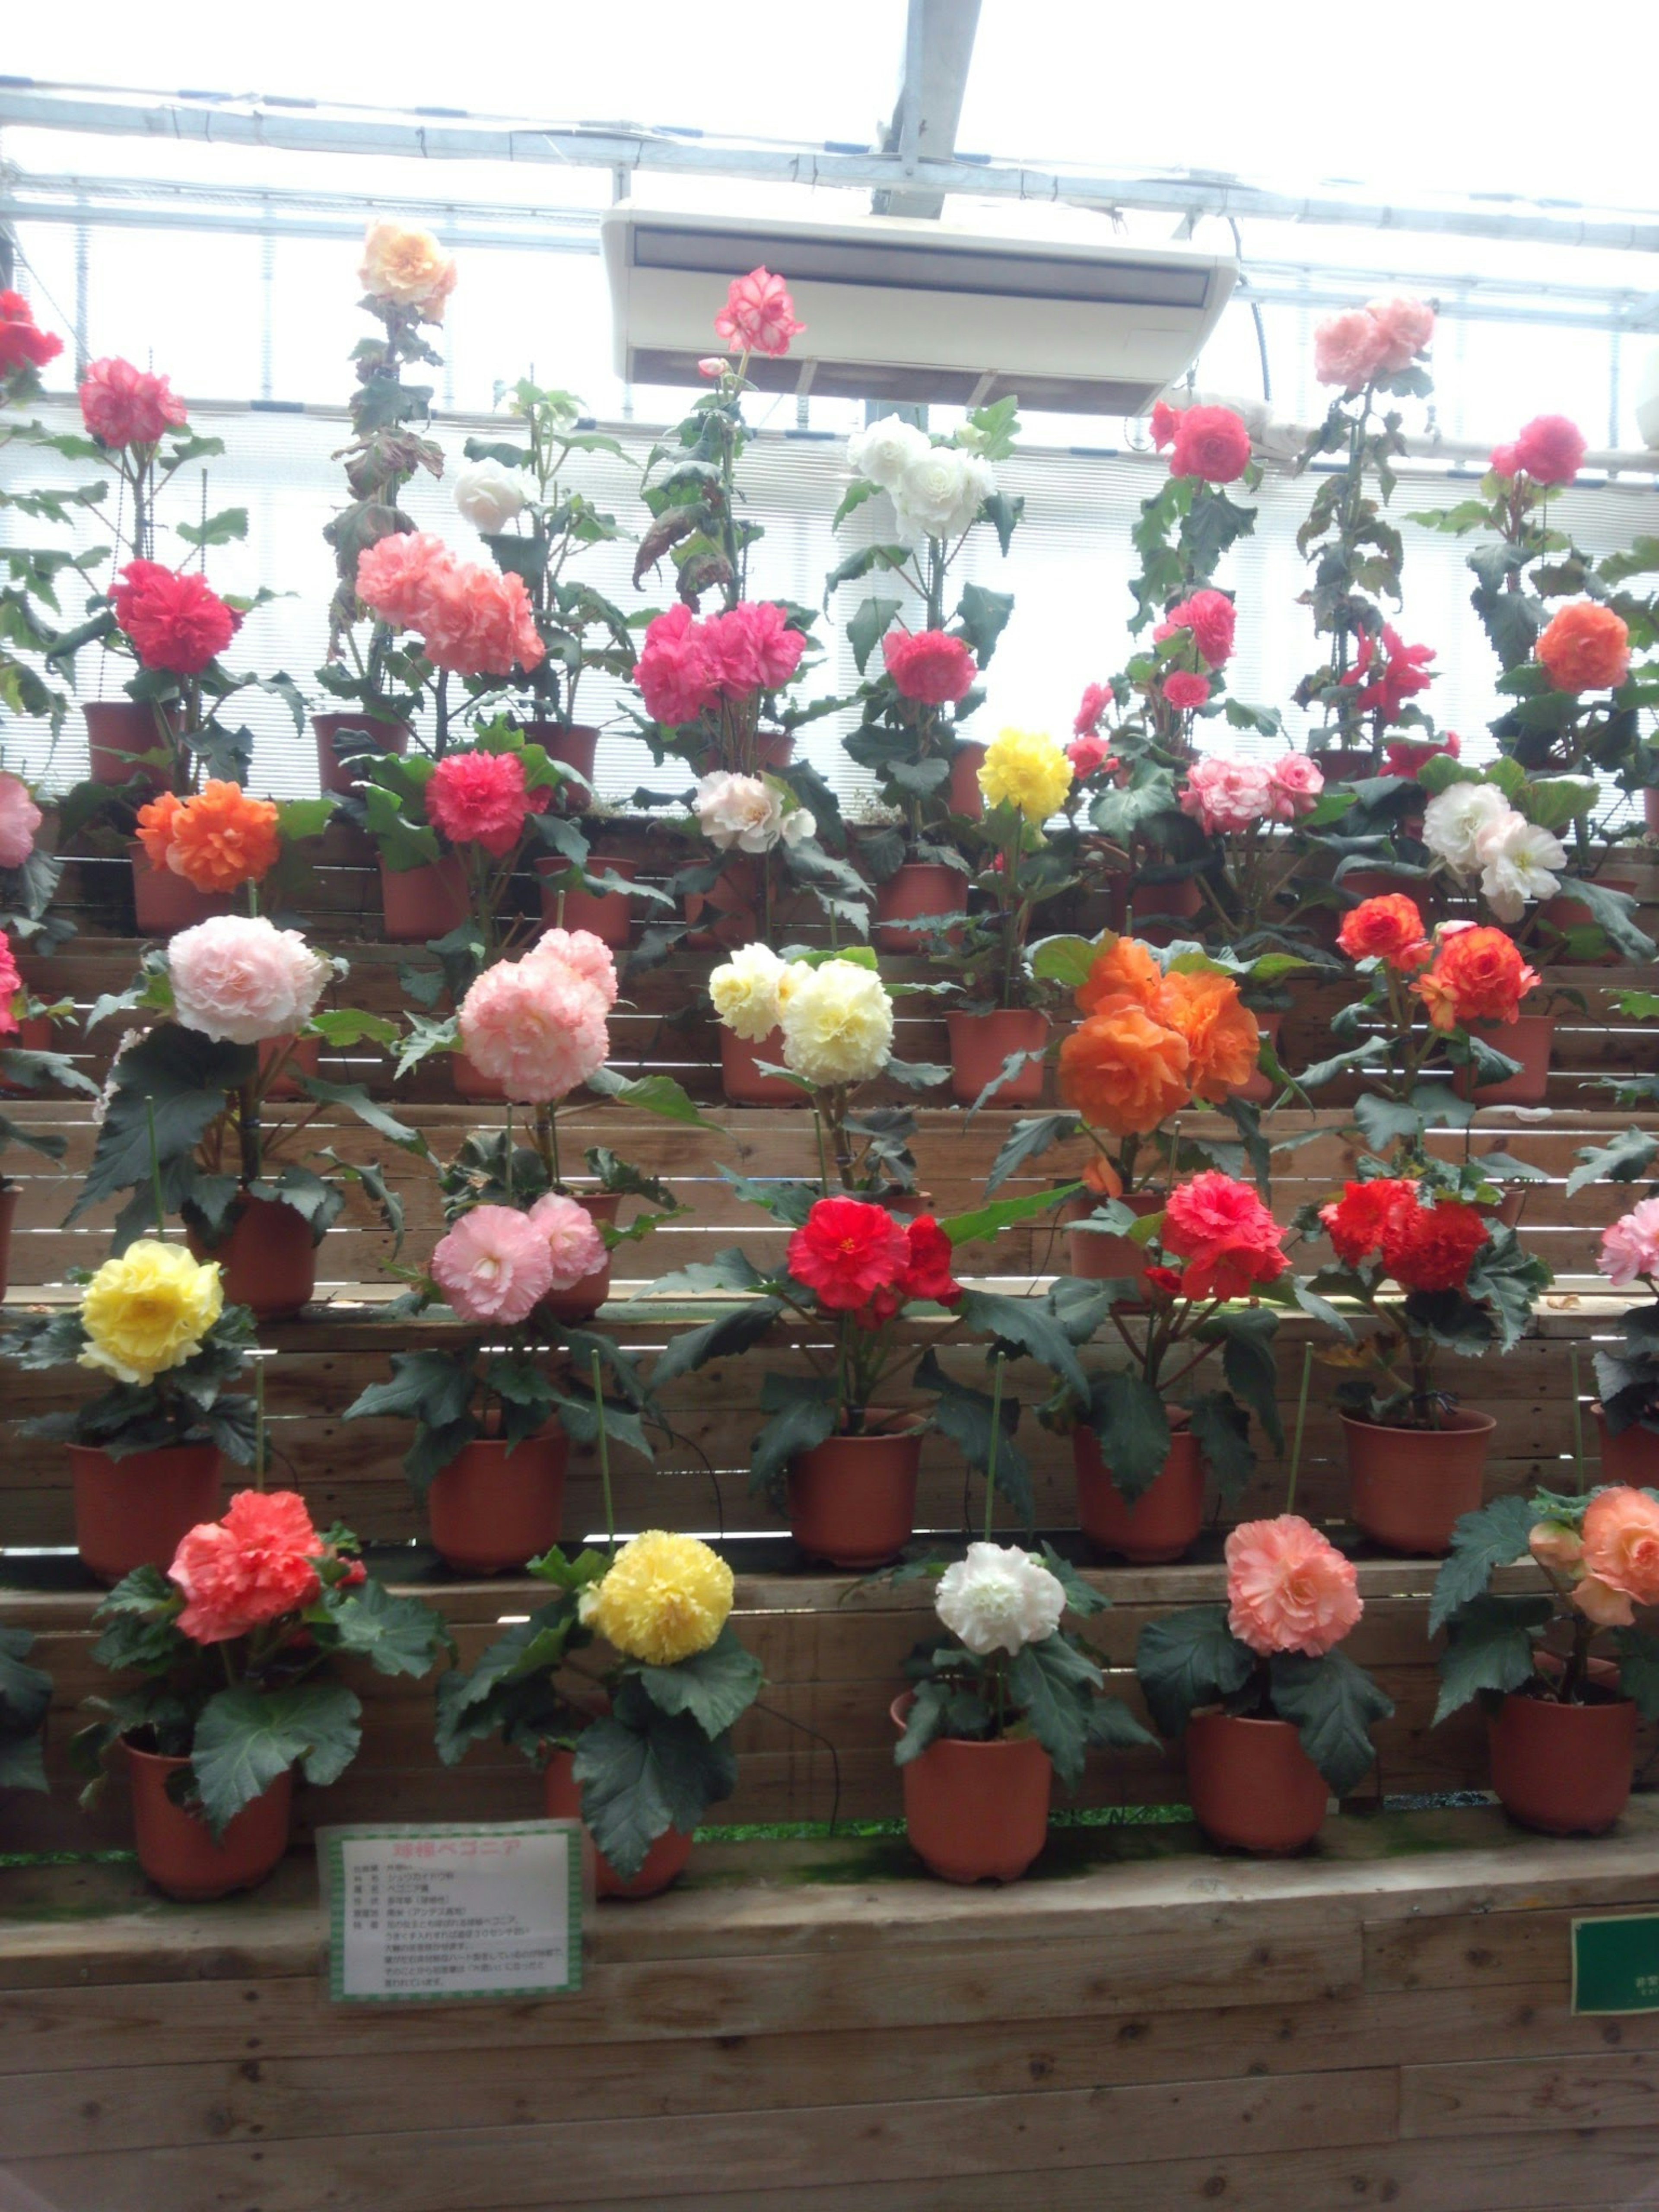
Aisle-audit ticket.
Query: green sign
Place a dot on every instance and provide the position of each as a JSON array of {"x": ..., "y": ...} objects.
[
  {"x": 1615, "y": 1963},
  {"x": 424, "y": 1915}
]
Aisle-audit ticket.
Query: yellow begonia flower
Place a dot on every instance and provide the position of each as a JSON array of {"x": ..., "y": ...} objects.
[
  {"x": 838, "y": 1022},
  {"x": 665, "y": 1599},
  {"x": 149, "y": 1310},
  {"x": 1029, "y": 770},
  {"x": 744, "y": 991}
]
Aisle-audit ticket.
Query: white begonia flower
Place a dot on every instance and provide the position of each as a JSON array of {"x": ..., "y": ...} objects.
[
  {"x": 1518, "y": 863},
  {"x": 881, "y": 453},
  {"x": 744, "y": 991},
  {"x": 741, "y": 810},
  {"x": 1455, "y": 820},
  {"x": 941, "y": 491},
  {"x": 798, "y": 823},
  {"x": 1000, "y": 1599},
  {"x": 488, "y": 494},
  {"x": 838, "y": 1022}
]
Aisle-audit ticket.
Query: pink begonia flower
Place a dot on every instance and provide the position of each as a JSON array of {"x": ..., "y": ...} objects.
[
  {"x": 1406, "y": 327},
  {"x": 1087, "y": 754},
  {"x": 672, "y": 670},
  {"x": 20, "y": 817},
  {"x": 1348, "y": 349},
  {"x": 713, "y": 364},
  {"x": 473, "y": 620},
  {"x": 1222, "y": 795},
  {"x": 1211, "y": 617},
  {"x": 1551, "y": 450},
  {"x": 396, "y": 576},
  {"x": 1288, "y": 1588},
  {"x": 1185, "y": 691},
  {"x": 239, "y": 979},
  {"x": 535, "y": 1026},
  {"x": 750, "y": 648},
  {"x": 575, "y": 1247},
  {"x": 479, "y": 799},
  {"x": 1097, "y": 701},
  {"x": 1294, "y": 783},
  {"x": 589, "y": 956},
  {"x": 759, "y": 315},
  {"x": 10, "y": 984},
  {"x": 1630, "y": 1248},
  {"x": 494, "y": 1265}
]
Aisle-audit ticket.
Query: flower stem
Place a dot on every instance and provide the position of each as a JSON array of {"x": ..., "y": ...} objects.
[
  {"x": 155, "y": 1172},
  {"x": 605, "y": 1458},
  {"x": 991, "y": 1449},
  {"x": 1301, "y": 1423}
]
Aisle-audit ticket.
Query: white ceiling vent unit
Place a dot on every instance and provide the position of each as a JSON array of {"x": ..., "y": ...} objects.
[{"x": 899, "y": 310}]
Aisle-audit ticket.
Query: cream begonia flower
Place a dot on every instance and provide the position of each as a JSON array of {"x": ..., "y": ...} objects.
[
  {"x": 838, "y": 1022},
  {"x": 745, "y": 990}
]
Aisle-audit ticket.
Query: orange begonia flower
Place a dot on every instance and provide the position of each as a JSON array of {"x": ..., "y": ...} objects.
[{"x": 222, "y": 839}]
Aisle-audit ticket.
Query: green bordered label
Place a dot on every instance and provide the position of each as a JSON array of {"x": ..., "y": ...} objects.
[
  {"x": 420, "y": 1914},
  {"x": 1615, "y": 1963}
]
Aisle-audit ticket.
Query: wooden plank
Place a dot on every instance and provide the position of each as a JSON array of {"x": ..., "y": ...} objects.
[{"x": 1611, "y": 2089}]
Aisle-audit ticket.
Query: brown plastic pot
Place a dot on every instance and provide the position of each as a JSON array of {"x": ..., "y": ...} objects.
[
  {"x": 1650, "y": 811},
  {"x": 292, "y": 1056},
  {"x": 852, "y": 1500},
  {"x": 1097, "y": 1255},
  {"x": 491, "y": 1509},
  {"x": 584, "y": 1298},
  {"x": 267, "y": 1262},
  {"x": 1251, "y": 1784},
  {"x": 1258, "y": 1090},
  {"x": 472, "y": 1085},
  {"x": 338, "y": 777},
  {"x": 1163, "y": 1523},
  {"x": 176, "y": 1848},
  {"x": 136, "y": 1511},
  {"x": 573, "y": 744},
  {"x": 1379, "y": 882},
  {"x": 1566, "y": 1769},
  {"x": 163, "y": 903},
  {"x": 741, "y": 1078},
  {"x": 919, "y": 888},
  {"x": 9, "y": 1197},
  {"x": 1528, "y": 1039},
  {"x": 976, "y": 1812},
  {"x": 1346, "y": 764},
  {"x": 980, "y": 1042},
  {"x": 1632, "y": 1456},
  {"x": 1159, "y": 911},
  {"x": 418, "y": 903},
  {"x": 1408, "y": 1488},
  {"x": 726, "y": 914},
  {"x": 33, "y": 1034},
  {"x": 118, "y": 730},
  {"x": 604, "y": 915},
  {"x": 1564, "y": 912},
  {"x": 962, "y": 789},
  {"x": 664, "y": 1862}
]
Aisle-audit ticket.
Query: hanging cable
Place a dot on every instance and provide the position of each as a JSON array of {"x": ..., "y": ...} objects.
[{"x": 1255, "y": 314}]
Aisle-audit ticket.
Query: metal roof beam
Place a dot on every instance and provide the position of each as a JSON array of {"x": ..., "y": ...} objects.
[
  {"x": 938, "y": 51},
  {"x": 305, "y": 127}
]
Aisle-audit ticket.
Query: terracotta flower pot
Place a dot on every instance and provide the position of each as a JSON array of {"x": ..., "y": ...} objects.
[
  {"x": 1650, "y": 811},
  {"x": 1506, "y": 1211},
  {"x": 1528, "y": 1039},
  {"x": 1251, "y": 1784},
  {"x": 176, "y": 1848},
  {"x": 10, "y": 1194},
  {"x": 491, "y": 1509},
  {"x": 919, "y": 887},
  {"x": 1408, "y": 1487},
  {"x": 584, "y": 1298},
  {"x": 1566, "y": 1769},
  {"x": 726, "y": 914},
  {"x": 163, "y": 903},
  {"x": 963, "y": 790},
  {"x": 606, "y": 914},
  {"x": 118, "y": 730},
  {"x": 1258, "y": 1090},
  {"x": 267, "y": 1261},
  {"x": 134, "y": 1512},
  {"x": 33, "y": 1035},
  {"x": 418, "y": 903},
  {"x": 573, "y": 745},
  {"x": 976, "y": 1812},
  {"x": 741, "y": 1078},
  {"x": 1379, "y": 883},
  {"x": 1350, "y": 764},
  {"x": 1564, "y": 912},
  {"x": 338, "y": 776},
  {"x": 664, "y": 1862},
  {"x": 852, "y": 1500},
  {"x": 293, "y": 1056},
  {"x": 1163, "y": 1524},
  {"x": 1159, "y": 913},
  {"x": 980, "y": 1042},
  {"x": 472, "y": 1085},
  {"x": 1098, "y": 1256},
  {"x": 1632, "y": 1456}
]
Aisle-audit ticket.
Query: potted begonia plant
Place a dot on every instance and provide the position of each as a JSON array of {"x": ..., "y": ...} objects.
[
  {"x": 814, "y": 1028},
  {"x": 1368, "y": 676},
  {"x": 407, "y": 278},
  {"x": 25, "y": 1070},
  {"x": 25, "y": 1701},
  {"x": 144, "y": 1452},
  {"x": 187, "y": 1125},
  {"x": 239, "y": 1644},
  {"x": 1141, "y": 1453},
  {"x": 641, "y": 1752},
  {"x": 1627, "y": 1381},
  {"x": 1561, "y": 1722},
  {"x": 1006, "y": 1701},
  {"x": 205, "y": 848},
  {"x": 1433, "y": 1274},
  {"x": 1272, "y": 1714}
]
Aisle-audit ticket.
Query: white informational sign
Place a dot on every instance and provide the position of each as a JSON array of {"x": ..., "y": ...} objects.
[{"x": 424, "y": 1914}]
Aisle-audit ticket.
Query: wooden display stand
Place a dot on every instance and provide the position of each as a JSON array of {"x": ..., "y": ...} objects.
[{"x": 812, "y": 2028}]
